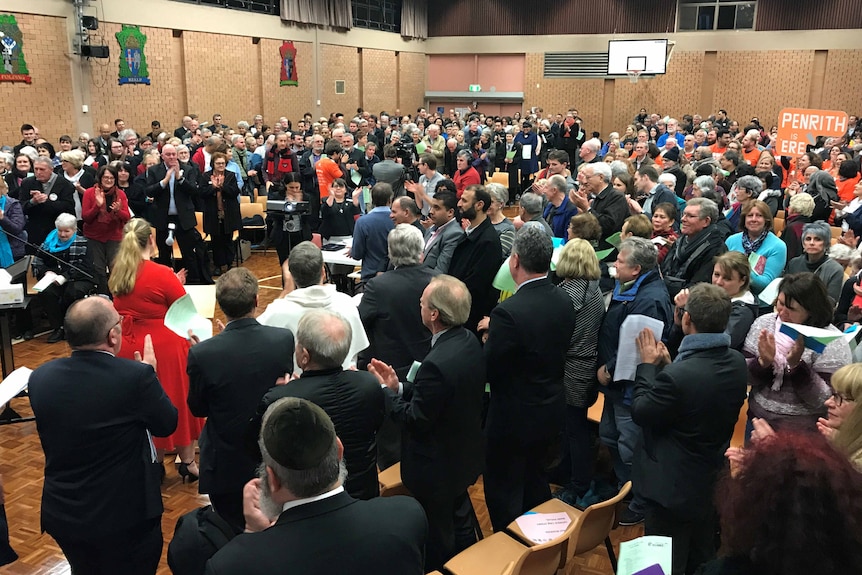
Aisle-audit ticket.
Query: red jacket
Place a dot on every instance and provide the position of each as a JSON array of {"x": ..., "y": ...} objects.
[{"x": 100, "y": 224}]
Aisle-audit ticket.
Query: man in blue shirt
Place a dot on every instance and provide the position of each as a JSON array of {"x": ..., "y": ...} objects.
[{"x": 370, "y": 236}]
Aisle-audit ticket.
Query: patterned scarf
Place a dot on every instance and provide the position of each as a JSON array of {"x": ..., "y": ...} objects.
[{"x": 752, "y": 246}]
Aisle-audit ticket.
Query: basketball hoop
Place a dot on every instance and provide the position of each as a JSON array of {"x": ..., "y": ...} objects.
[{"x": 634, "y": 75}]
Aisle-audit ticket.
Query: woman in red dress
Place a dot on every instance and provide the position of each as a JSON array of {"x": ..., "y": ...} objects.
[{"x": 143, "y": 291}]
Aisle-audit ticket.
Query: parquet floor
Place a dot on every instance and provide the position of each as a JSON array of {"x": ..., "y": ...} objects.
[{"x": 22, "y": 464}]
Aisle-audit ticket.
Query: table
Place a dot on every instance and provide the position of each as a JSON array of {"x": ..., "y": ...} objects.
[
  {"x": 341, "y": 266},
  {"x": 340, "y": 257}
]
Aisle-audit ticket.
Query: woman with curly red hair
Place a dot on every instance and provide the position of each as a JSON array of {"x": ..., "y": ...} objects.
[{"x": 794, "y": 508}]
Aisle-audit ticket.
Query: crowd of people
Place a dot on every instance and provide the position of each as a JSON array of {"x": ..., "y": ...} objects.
[{"x": 694, "y": 230}]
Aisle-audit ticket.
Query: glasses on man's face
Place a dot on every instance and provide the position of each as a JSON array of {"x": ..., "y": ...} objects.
[{"x": 839, "y": 399}]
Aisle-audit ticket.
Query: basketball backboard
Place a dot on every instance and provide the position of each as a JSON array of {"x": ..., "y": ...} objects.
[{"x": 647, "y": 56}]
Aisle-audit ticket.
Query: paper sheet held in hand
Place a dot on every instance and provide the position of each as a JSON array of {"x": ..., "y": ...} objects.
[
  {"x": 628, "y": 357},
  {"x": 183, "y": 316}
]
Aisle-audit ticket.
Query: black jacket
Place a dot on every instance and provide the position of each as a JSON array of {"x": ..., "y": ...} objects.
[
  {"x": 611, "y": 209},
  {"x": 334, "y": 536},
  {"x": 475, "y": 262},
  {"x": 230, "y": 201},
  {"x": 185, "y": 189},
  {"x": 354, "y": 402},
  {"x": 441, "y": 411},
  {"x": 93, "y": 411},
  {"x": 690, "y": 260},
  {"x": 390, "y": 313},
  {"x": 228, "y": 376},
  {"x": 40, "y": 217},
  {"x": 525, "y": 354},
  {"x": 687, "y": 421}
]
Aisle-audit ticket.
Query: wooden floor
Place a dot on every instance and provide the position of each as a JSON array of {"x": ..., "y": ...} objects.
[{"x": 22, "y": 469}]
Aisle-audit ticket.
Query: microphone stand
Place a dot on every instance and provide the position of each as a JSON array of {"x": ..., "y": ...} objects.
[{"x": 49, "y": 254}]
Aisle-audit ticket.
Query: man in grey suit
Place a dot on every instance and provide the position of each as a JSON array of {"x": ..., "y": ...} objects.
[
  {"x": 445, "y": 235},
  {"x": 390, "y": 171}
]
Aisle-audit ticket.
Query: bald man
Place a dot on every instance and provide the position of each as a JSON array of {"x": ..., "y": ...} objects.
[{"x": 95, "y": 414}]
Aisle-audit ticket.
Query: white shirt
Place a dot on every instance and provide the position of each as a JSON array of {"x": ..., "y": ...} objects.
[{"x": 298, "y": 502}]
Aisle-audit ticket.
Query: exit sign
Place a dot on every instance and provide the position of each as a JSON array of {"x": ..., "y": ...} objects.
[{"x": 475, "y": 88}]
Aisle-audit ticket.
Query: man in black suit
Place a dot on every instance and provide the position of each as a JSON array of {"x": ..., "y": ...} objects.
[
  {"x": 528, "y": 337},
  {"x": 43, "y": 197},
  {"x": 298, "y": 514},
  {"x": 228, "y": 375},
  {"x": 172, "y": 188},
  {"x": 353, "y": 399},
  {"x": 441, "y": 411},
  {"x": 687, "y": 422},
  {"x": 390, "y": 305},
  {"x": 94, "y": 413},
  {"x": 477, "y": 259}
]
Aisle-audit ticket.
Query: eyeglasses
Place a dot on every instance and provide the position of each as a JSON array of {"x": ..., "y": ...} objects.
[
  {"x": 686, "y": 215},
  {"x": 839, "y": 399}
]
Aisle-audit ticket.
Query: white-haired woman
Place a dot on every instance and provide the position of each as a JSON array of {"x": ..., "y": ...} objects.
[{"x": 72, "y": 267}]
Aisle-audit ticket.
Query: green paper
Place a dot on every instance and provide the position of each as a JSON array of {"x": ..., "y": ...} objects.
[
  {"x": 602, "y": 254},
  {"x": 503, "y": 281},
  {"x": 366, "y": 195},
  {"x": 614, "y": 240},
  {"x": 420, "y": 148},
  {"x": 183, "y": 316},
  {"x": 510, "y": 155},
  {"x": 355, "y": 176}
]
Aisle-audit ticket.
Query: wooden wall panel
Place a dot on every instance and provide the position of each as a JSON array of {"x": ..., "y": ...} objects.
[
  {"x": 543, "y": 17},
  {"x": 807, "y": 15}
]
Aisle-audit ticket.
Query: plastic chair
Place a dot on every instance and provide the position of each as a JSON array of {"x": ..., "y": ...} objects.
[
  {"x": 500, "y": 553},
  {"x": 588, "y": 529},
  {"x": 390, "y": 482},
  {"x": 250, "y": 210},
  {"x": 244, "y": 200}
]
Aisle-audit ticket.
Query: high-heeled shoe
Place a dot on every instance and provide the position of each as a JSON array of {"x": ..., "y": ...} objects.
[{"x": 183, "y": 470}]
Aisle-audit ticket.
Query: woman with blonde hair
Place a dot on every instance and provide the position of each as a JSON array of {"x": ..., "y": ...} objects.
[
  {"x": 143, "y": 291},
  {"x": 579, "y": 268},
  {"x": 844, "y": 423}
]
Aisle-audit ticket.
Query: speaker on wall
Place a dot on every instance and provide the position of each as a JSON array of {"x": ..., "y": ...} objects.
[{"x": 89, "y": 51}]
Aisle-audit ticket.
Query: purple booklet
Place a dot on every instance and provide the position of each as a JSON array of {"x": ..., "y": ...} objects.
[{"x": 651, "y": 570}]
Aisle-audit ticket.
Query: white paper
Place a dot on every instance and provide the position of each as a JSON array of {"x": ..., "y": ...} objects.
[
  {"x": 640, "y": 553},
  {"x": 203, "y": 296},
  {"x": 660, "y": 241},
  {"x": 628, "y": 357},
  {"x": 5, "y": 278},
  {"x": 543, "y": 527},
  {"x": 49, "y": 278},
  {"x": 414, "y": 369},
  {"x": 14, "y": 384},
  {"x": 526, "y": 151},
  {"x": 182, "y": 316},
  {"x": 770, "y": 292}
]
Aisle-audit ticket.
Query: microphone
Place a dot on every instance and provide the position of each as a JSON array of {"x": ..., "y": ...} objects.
[
  {"x": 169, "y": 241},
  {"x": 49, "y": 254}
]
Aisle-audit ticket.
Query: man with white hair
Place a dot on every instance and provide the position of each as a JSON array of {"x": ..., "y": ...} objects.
[
  {"x": 672, "y": 131},
  {"x": 559, "y": 209},
  {"x": 589, "y": 153},
  {"x": 43, "y": 197},
  {"x": 609, "y": 206},
  {"x": 434, "y": 142}
]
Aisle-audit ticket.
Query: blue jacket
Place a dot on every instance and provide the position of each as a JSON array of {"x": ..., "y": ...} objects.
[
  {"x": 560, "y": 221},
  {"x": 649, "y": 297},
  {"x": 775, "y": 252},
  {"x": 370, "y": 241}
]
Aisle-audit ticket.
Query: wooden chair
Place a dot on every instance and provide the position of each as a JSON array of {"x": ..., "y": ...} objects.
[
  {"x": 501, "y": 178},
  {"x": 262, "y": 200},
  {"x": 780, "y": 214},
  {"x": 777, "y": 226},
  {"x": 244, "y": 200},
  {"x": 588, "y": 529},
  {"x": 390, "y": 482},
  {"x": 500, "y": 553}
]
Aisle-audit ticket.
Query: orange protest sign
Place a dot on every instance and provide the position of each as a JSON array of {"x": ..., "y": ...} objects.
[{"x": 799, "y": 127}]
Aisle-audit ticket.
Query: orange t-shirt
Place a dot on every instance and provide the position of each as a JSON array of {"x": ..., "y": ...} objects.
[
  {"x": 327, "y": 172},
  {"x": 845, "y": 188},
  {"x": 751, "y": 157},
  {"x": 716, "y": 151}
]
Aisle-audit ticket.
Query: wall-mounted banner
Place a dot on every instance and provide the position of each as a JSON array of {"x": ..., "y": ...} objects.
[
  {"x": 288, "y": 64},
  {"x": 133, "y": 62},
  {"x": 13, "y": 67}
]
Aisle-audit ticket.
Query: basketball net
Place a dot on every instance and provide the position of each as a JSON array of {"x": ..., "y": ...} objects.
[{"x": 634, "y": 75}]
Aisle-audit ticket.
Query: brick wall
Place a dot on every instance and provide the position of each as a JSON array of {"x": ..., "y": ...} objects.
[
  {"x": 137, "y": 104},
  {"x": 379, "y": 80},
  {"x": 46, "y": 102},
  {"x": 411, "y": 81},
  {"x": 220, "y": 74},
  {"x": 558, "y": 94},
  {"x": 289, "y": 101},
  {"x": 339, "y": 63},
  {"x": 840, "y": 89}
]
